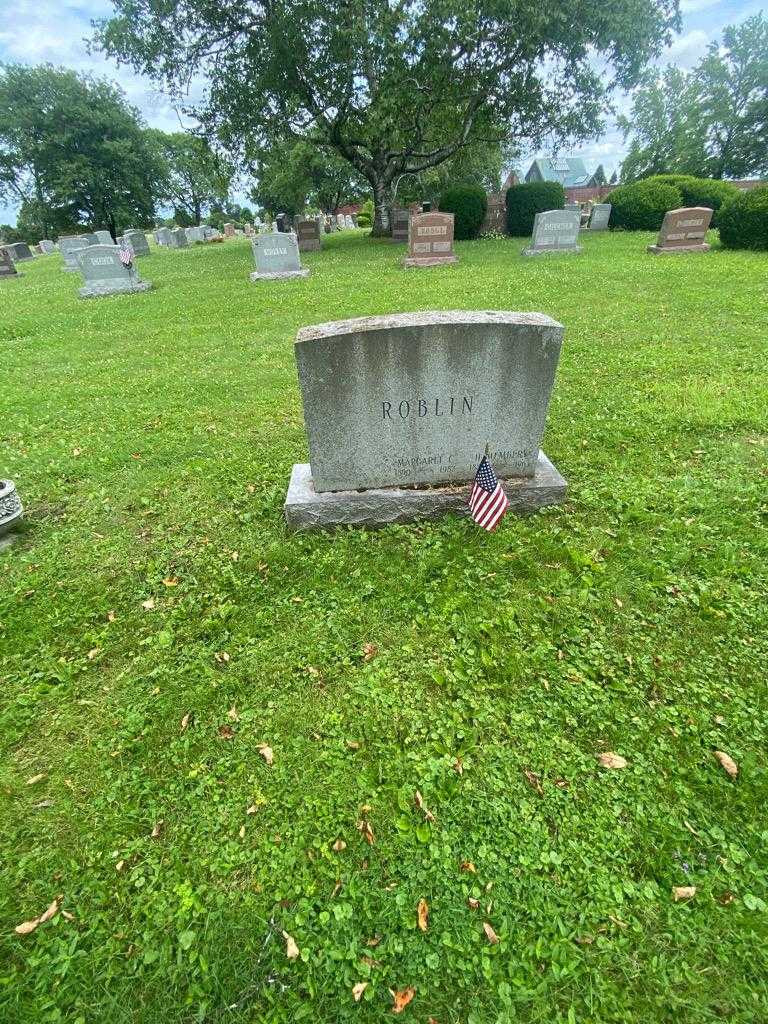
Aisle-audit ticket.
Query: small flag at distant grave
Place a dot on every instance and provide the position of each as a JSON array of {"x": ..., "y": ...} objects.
[
  {"x": 126, "y": 256},
  {"x": 487, "y": 503}
]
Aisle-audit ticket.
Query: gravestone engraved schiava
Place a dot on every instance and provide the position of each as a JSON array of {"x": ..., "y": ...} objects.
[
  {"x": 554, "y": 231},
  {"x": 106, "y": 274},
  {"x": 277, "y": 256},
  {"x": 397, "y": 403},
  {"x": 430, "y": 240},
  {"x": 683, "y": 230}
]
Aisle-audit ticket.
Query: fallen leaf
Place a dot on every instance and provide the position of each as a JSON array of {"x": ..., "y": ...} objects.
[
  {"x": 77, "y": 451},
  {"x": 291, "y": 949},
  {"x": 401, "y": 999},
  {"x": 420, "y": 804},
  {"x": 35, "y": 779},
  {"x": 338, "y": 846},
  {"x": 26, "y": 927},
  {"x": 336, "y": 890},
  {"x": 185, "y": 721},
  {"x": 44, "y": 803},
  {"x": 93, "y": 653},
  {"x": 232, "y": 715},
  {"x": 467, "y": 865},
  {"x": 366, "y": 831},
  {"x": 222, "y": 657},
  {"x": 120, "y": 865},
  {"x": 111, "y": 616},
  {"x": 473, "y": 903},
  {"x": 683, "y": 892},
  {"x": 50, "y": 912},
  {"x": 490, "y": 934},
  {"x": 726, "y": 898},
  {"x": 358, "y": 989},
  {"x": 297, "y": 600},
  {"x": 67, "y": 916},
  {"x": 533, "y": 781},
  {"x": 458, "y": 766},
  {"x": 727, "y": 763},
  {"x": 251, "y": 810},
  {"x": 423, "y": 915},
  {"x": 374, "y": 941},
  {"x": 370, "y": 651},
  {"x": 353, "y": 745},
  {"x": 562, "y": 783},
  {"x": 170, "y": 581},
  {"x": 149, "y": 604},
  {"x": 241, "y": 833},
  {"x": 611, "y": 760},
  {"x": 157, "y": 831},
  {"x": 226, "y": 732},
  {"x": 266, "y": 752},
  {"x": 235, "y": 556}
]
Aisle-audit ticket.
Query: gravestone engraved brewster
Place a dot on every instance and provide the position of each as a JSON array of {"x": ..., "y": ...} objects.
[{"x": 396, "y": 406}]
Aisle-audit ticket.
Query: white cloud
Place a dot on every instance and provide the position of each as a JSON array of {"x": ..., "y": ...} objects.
[{"x": 693, "y": 6}]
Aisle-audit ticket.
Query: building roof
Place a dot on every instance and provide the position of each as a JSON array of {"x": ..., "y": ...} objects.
[{"x": 568, "y": 170}]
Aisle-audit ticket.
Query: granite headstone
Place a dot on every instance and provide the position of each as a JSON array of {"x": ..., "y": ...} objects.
[
  {"x": 400, "y": 221},
  {"x": 106, "y": 274},
  {"x": 138, "y": 242},
  {"x": 277, "y": 256},
  {"x": 177, "y": 239},
  {"x": 430, "y": 240},
  {"x": 599, "y": 217},
  {"x": 308, "y": 235},
  {"x": 69, "y": 246},
  {"x": 20, "y": 252},
  {"x": 229, "y": 230},
  {"x": 47, "y": 246},
  {"x": 683, "y": 230},
  {"x": 7, "y": 266},
  {"x": 554, "y": 231}
]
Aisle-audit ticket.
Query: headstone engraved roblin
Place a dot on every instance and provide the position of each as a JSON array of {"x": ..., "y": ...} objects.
[
  {"x": 7, "y": 266},
  {"x": 683, "y": 230},
  {"x": 106, "y": 274},
  {"x": 69, "y": 246},
  {"x": 599, "y": 217},
  {"x": 399, "y": 410},
  {"x": 308, "y": 235},
  {"x": 554, "y": 231},
  {"x": 430, "y": 240},
  {"x": 277, "y": 256}
]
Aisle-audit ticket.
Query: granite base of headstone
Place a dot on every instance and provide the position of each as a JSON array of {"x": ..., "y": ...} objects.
[
  {"x": 276, "y": 255},
  {"x": 554, "y": 231},
  {"x": 106, "y": 274},
  {"x": 11, "y": 511},
  {"x": 8, "y": 271},
  {"x": 430, "y": 240},
  {"x": 683, "y": 230},
  {"x": 399, "y": 410}
]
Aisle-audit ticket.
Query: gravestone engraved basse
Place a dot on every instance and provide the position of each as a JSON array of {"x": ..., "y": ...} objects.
[
  {"x": 7, "y": 266},
  {"x": 554, "y": 231},
  {"x": 47, "y": 246},
  {"x": 138, "y": 242},
  {"x": 20, "y": 252},
  {"x": 683, "y": 230},
  {"x": 308, "y": 235},
  {"x": 398, "y": 411},
  {"x": 400, "y": 222},
  {"x": 69, "y": 246},
  {"x": 277, "y": 256},
  {"x": 599, "y": 217},
  {"x": 106, "y": 274},
  {"x": 178, "y": 239},
  {"x": 430, "y": 240}
]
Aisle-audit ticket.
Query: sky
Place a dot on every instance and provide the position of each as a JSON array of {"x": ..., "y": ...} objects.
[{"x": 56, "y": 31}]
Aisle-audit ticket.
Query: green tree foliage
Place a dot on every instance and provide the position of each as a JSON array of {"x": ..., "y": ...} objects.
[
  {"x": 700, "y": 191},
  {"x": 393, "y": 88},
  {"x": 468, "y": 204},
  {"x": 293, "y": 175},
  {"x": 709, "y": 122},
  {"x": 195, "y": 176},
  {"x": 477, "y": 163},
  {"x": 526, "y": 200},
  {"x": 71, "y": 145},
  {"x": 743, "y": 221},
  {"x": 641, "y": 206},
  {"x": 229, "y": 213}
]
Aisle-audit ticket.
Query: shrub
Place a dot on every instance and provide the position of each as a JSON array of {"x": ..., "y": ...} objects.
[
  {"x": 744, "y": 220},
  {"x": 525, "y": 201},
  {"x": 365, "y": 216},
  {"x": 641, "y": 206},
  {"x": 468, "y": 204},
  {"x": 699, "y": 191}
]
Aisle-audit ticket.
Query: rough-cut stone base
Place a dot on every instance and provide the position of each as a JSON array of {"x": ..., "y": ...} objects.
[
  {"x": 98, "y": 291},
  {"x": 574, "y": 250},
  {"x": 305, "y": 509},
  {"x": 309, "y": 246},
  {"x": 10, "y": 277},
  {"x": 279, "y": 274},
  {"x": 661, "y": 250},
  {"x": 409, "y": 262}
]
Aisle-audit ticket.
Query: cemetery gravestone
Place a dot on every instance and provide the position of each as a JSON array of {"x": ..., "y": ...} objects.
[
  {"x": 229, "y": 230},
  {"x": 20, "y": 252},
  {"x": 495, "y": 220},
  {"x": 399, "y": 409},
  {"x": 106, "y": 274},
  {"x": 348, "y": 222},
  {"x": 69, "y": 246},
  {"x": 308, "y": 235},
  {"x": 430, "y": 240},
  {"x": 400, "y": 222},
  {"x": 11, "y": 510},
  {"x": 555, "y": 231},
  {"x": 7, "y": 266},
  {"x": 277, "y": 256},
  {"x": 103, "y": 238},
  {"x": 683, "y": 230},
  {"x": 163, "y": 236},
  {"x": 177, "y": 239},
  {"x": 138, "y": 242},
  {"x": 47, "y": 246},
  {"x": 599, "y": 217}
]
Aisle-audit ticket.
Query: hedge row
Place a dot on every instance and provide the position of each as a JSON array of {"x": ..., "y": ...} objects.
[
  {"x": 744, "y": 220},
  {"x": 525, "y": 201},
  {"x": 468, "y": 204}
]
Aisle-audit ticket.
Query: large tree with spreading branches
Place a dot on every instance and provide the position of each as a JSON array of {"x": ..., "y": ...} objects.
[{"x": 393, "y": 86}]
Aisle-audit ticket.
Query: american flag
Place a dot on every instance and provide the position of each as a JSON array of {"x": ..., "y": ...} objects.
[
  {"x": 487, "y": 503},
  {"x": 126, "y": 256}
]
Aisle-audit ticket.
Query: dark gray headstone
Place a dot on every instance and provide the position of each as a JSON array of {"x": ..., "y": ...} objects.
[
  {"x": 106, "y": 274},
  {"x": 400, "y": 221},
  {"x": 308, "y": 235},
  {"x": 20, "y": 252},
  {"x": 277, "y": 256},
  {"x": 69, "y": 246},
  {"x": 138, "y": 242},
  {"x": 7, "y": 266},
  {"x": 555, "y": 231},
  {"x": 599, "y": 217}
]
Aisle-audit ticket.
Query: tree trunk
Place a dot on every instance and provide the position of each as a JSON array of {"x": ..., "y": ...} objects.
[
  {"x": 197, "y": 212},
  {"x": 382, "y": 209}
]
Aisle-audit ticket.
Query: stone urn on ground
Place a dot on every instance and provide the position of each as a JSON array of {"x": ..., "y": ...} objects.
[{"x": 11, "y": 510}]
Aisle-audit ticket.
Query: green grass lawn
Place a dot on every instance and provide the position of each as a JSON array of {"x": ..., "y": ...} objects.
[{"x": 151, "y": 438}]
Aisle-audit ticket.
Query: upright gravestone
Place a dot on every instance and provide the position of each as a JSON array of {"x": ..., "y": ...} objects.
[
  {"x": 599, "y": 217},
  {"x": 46, "y": 246},
  {"x": 229, "y": 230},
  {"x": 69, "y": 246},
  {"x": 430, "y": 240},
  {"x": 105, "y": 273},
  {"x": 555, "y": 231},
  {"x": 494, "y": 222},
  {"x": 91, "y": 237},
  {"x": 20, "y": 252},
  {"x": 308, "y": 235},
  {"x": 277, "y": 256},
  {"x": 683, "y": 230},
  {"x": 103, "y": 238},
  {"x": 178, "y": 239},
  {"x": 163, "y": 236},
  {"x": 340, "y": 222},
  {"x": 248, "y": 228},
  {"x": 348, "y": 222},
  {"x": 7, "y": 266},
  {"x": 138, "y": 242},
  {"x": 400, "y": 221},
  {"x": 399, "y": 410}
]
